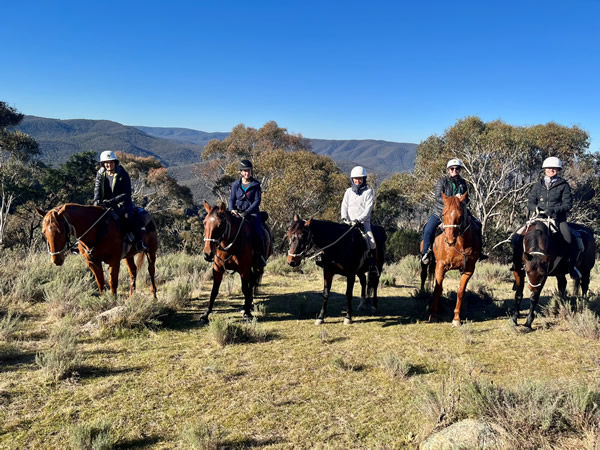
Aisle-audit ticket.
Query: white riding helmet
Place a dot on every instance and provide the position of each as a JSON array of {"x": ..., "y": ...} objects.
[
  {"x": 454, "y": 162},
  {"x": 358, "y": 172},
  {"x": 552, "y": 163},
  {"x": 108, "y": 156}
]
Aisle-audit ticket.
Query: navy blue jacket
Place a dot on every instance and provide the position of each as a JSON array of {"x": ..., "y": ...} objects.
[{"x": 245, "y": 202}]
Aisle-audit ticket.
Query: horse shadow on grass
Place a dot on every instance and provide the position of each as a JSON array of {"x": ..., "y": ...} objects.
[
  {"x": 14, "y": 361},
  {"x": 89, "y": 372}
]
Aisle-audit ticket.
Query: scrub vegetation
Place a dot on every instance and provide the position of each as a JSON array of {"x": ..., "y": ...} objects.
[{"x": 153, "y": 376}]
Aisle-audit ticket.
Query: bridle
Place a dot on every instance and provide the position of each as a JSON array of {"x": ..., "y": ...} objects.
[
  {"x": 224, "y": 236},
  {"x": 463, "y": 226},
  {"x": 537, "y": 252},
  {"x": 72, "y": 233}
]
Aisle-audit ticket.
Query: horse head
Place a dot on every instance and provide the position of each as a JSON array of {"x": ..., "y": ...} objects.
[
  {"x": 216, "y": 227},
  {"x": 454, "y": 217},
  {"x": 298, "y": 235},
  {"x": 56, "y": 230},
  {"x": 536, "y": 257}
]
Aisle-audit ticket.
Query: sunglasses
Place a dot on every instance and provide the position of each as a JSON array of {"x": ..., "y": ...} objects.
[{"x": 454, "y": 169}]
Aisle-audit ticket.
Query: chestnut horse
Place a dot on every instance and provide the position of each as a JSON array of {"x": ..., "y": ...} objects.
[
  {"x": 342, "y": 250},
  {"x": 97, "y": 234},
  {"x": 542, "y": 255},
  {"x": 228, "y": 244},
  {"x": 458, "y": 247}
]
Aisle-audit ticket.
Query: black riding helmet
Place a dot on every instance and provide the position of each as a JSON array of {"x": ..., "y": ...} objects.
[{"x": 245, "y": 164}]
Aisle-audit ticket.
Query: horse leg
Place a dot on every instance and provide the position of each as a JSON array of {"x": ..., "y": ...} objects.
[
  {"x": 349, "y": 290},
  {"x": 464, "y": 280},
  {"x": 96, "y": 268},
  {"x": 247, "y": 288},
  {"x": 363, "y": 305},
  {"x": 132, "y": 269},
  {"x": 440, "y": 272},
  {"x": 151, "y": 258},
  {"x": 585, "y": 282},
  {"x": 518, "y": 286},
  {"x": 535, "y": 297},
  {"x": 217, "y": 278},
  {"x": 113, "y": 282},
  {"x": 373, "y": 282},
  {"x": 424, "y": 272},
  {"x": 327, "y": 279},
  {"x": 561, "y": 283}
]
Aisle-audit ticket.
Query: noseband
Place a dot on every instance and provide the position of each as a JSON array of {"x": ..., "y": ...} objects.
[
  {"x": 71, "y": 232},
  {"x": 462, "y": 228},
  {"x": 225, "y": 235}
]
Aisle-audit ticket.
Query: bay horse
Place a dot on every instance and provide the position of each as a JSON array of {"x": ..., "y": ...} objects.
[
  {"x": 228, "y": 244},
  {"x": 343, "y": 251},
  {"x": 539, "y": 253},
  {"x": 458, "y": 247},
  {"x": 96, "y": 233}
]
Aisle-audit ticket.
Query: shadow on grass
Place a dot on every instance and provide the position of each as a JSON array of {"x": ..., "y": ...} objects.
[
  {"x": 97, "y": 372},
  {"x": 142, "y": 442},
  {"x": 14, "y": 361},
  {"x": 248, "y": 443}
]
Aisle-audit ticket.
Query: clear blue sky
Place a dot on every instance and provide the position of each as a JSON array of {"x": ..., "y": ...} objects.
[{"x": 336, "y": 70}]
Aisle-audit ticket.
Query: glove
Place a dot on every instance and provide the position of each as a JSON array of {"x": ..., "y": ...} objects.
[
  {"x": 356, "y": 223},
  {"x": 346, "y": 221},
  {"x": 107, "y": 203},
  {"x": 242, "y": 213}
]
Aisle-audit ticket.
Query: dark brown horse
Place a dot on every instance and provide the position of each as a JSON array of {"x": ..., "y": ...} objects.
[
  {"x": 96, "y": 233},
  {"x": 542, "y": 255},
  {"x": 458, "y": 247},
  {"x": 342, "y": 250},
  {"x": 228, "y": 244}
]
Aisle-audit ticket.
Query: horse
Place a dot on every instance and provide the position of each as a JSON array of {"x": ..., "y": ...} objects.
[
  {"x": 228, "y": 244},
  {"x": 457, "y": 247},
  {"x": 538, "y": 254},
  {"x": 96, "y": 233},
  {"x": 343, "y": 251}
]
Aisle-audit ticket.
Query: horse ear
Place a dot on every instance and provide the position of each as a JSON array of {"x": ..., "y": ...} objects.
[
  {"x": 307, "y": 222},
  {"x": 527, "y": 256},
  {"x": 444, "y": 196},
  {"x": 207, "y": 207},
  {"x": 222, "y": 207},
  {"x": 462, "y": 197},
  {"x": 40, "y": 211},
  {"x": 297, "y": 218}
]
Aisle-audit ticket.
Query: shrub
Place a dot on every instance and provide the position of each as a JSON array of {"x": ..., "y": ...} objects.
[
  {"x": 202, "y": 436},
  {"x": 61, "y": 358},
  {"x": 96, "y": 436},
  {"x": 398, "y": 367},
  {"x": 225, "y": 331},
  {"x": 401, "y": 243},
  {"x": 9, "y": 325}
]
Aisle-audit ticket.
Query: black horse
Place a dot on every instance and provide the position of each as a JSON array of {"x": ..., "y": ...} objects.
[
  {"x": 538, "y": 254},
  {"x": 342, "y": 250}
]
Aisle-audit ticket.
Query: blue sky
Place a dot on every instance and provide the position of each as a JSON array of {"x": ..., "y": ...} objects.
[{"x": 336, "y": 70}]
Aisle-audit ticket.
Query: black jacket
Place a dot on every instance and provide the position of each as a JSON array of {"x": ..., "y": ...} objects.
[
  {"x": 556, "y": 201},
  {"x": 247, "y": 202},
  {"x": 122, "y": 187},
  {"x": 449, "y": 186}
]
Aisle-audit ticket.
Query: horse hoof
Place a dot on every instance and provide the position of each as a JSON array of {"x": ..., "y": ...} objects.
[
  {"x": 347, "y": 321},
  {"x": 456, "y": 323},
  {"x": 247, "y": 316},
  {"x": 319, "y": 322},
  {"x": 204, "y": 320}
]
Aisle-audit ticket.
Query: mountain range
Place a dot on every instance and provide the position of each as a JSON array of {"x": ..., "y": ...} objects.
[{"x": 180, "y": 149}]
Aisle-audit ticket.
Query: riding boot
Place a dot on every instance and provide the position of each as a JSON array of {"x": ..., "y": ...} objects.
[
  {"x": 482, "y": 256},
  {"x": 140, "y": 245},
  {"x": 372, "y": 263},
  {"x": 516, "y": 242},
  {"x": 259, "y": 259},
  {"x": 426, "y": 257}
]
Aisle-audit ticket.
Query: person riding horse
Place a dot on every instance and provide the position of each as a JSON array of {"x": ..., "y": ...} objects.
[
  {"x": 357, "y": 206},
  {"x": 551, "y": 198},
  {"x": 113, "y": 189},
  {"x": 244, "y": 201},
  {"x": 452, "y": 184}
]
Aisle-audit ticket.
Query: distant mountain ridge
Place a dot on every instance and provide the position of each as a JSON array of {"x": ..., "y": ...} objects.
[{"x": 180, "y": 149}]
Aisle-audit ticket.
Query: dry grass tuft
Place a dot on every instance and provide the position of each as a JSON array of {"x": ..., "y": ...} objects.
[
  {"x": 203, "y": 436},
  {"x": 96, "y": 436},
  {"x": 61, "y": 359},
  {"x": 226, "y": 331}
]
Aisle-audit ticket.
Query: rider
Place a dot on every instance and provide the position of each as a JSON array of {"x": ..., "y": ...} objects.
[
  {"x": 113, "y": 189},
  {"x": 357, "y": 206},
  {"x": 451, "y": 184},
  {"x": 244, "y": 201},
  {"x": 551, "y": 197}
]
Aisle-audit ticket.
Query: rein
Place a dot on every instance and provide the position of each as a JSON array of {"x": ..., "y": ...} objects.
[
  {"x": 224, "y": 236},
  {"x": 321, "y": 250},
  {"x": 73, "y": 233}
]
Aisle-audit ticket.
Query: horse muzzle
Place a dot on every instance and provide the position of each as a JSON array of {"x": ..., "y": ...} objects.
[
  {"x": 209, "y": 256},
  {"x": 58, "y": 260}
]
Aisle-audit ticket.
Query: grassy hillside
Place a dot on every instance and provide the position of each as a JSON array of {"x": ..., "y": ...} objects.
[{"x": 386, "y": 381}]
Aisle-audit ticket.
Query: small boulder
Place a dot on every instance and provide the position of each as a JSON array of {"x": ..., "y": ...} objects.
[{"x": 468, "y": 433}]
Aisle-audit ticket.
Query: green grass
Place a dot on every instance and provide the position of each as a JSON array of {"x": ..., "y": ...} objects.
[{"x": 282, "y": 381}]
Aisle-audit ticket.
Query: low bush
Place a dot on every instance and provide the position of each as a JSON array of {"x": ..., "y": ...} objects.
[
  {"x": 61, "y": 358},
  {"x": 96, "y": 436},
  {"x": 225, "y": 331},
  {"x": 202, "y": 436}
]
